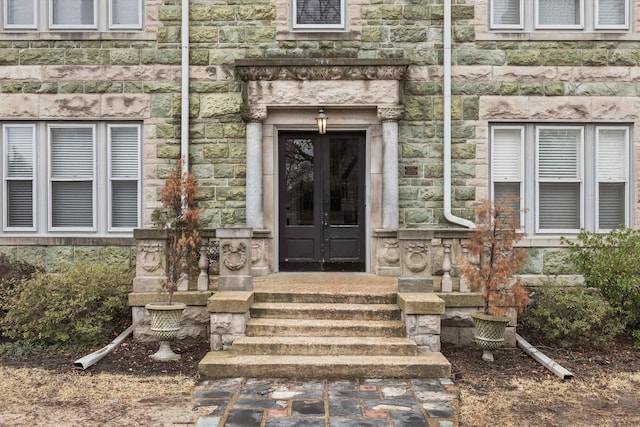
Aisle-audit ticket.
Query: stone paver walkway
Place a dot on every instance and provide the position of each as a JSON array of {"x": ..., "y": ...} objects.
[{"x": 284, "y": 403}]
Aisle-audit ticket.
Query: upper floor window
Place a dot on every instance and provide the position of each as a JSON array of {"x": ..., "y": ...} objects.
[
  {"x": 319, "y": 14},
  {"x": 86, "y": 15},
  {"x": 568, "y": 177},
  {"x": 582, "y": 15},
  {"x": 71, "y": 176}
]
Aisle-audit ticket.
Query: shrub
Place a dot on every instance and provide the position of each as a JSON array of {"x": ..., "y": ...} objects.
[
  {"x": 75, "y": 309},
  {"x": 572, "y": 316},
  {"x": 609, "y": 262},
  {"x": 12, "y": 273}
]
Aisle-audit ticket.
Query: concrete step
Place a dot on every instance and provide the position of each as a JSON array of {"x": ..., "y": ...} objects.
[
  {"x": 310, "y": 346},
  {"x": 230, "y": 364},
  {"x": 325, "y": 328},
  {"x": 325, "y": 311},
  {"x": 325, "y": 297}
]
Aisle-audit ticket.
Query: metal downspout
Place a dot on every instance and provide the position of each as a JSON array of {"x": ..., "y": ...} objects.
[
  {"x": 184, "y": 122},
  {"x": 447, "y": 121}
]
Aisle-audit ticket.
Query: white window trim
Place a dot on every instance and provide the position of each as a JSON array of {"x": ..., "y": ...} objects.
[
  {"x": 110, "y": 228},
  {"x": 5, "y": 166},
  {"x": 9, "y": 26},
  {"x": 626, "y": 180},
  {"x": 579, "y": 179},
  {"x": 336, "y": 27},
  {"x": 522, "y": 166},
  {"x": 102, "y": 21},
  {"x": 539, "y": 26},
  {"x": 495, "y": 26},
  {"x": 136, "y": 26},
  {"x": 51, "y": 179},
  {"x": 596, "y": 15},
  {"x": 53, "y": 26}
]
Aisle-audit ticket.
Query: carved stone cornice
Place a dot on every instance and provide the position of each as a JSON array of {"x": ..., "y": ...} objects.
[
  {"x": 321, "y": 69},
  {"x": 390, "y": 113},
  {"x": 253, "y": 114}
]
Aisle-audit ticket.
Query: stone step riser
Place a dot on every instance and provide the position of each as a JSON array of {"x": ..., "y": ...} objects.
[
  {"x": 220, "y": 365},
  {"x": 335, "y": 313},
  {"x": 319, "y": 298},
  {"x": 326, "y": 349},
  {"x": 260, "y": 330}
]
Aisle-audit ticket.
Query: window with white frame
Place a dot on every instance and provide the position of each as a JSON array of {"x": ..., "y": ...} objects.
[
  {"x": 318, "y": 14},
  {"x": 545, "y": 15},
  {"x": 567, "y": 177},
  {"x": 84, "y": 15},
  {"x": 66, "y": 177}
]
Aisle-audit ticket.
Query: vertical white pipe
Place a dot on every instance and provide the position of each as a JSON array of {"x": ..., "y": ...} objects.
[
  {"x": 447, "y": 120},
  {"x": 184, "y": 122}
]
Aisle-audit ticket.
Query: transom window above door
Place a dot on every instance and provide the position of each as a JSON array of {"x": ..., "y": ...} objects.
[
  {"x": 547, "y": 15},
  {"x": 65, "y": 15},
  {"x": 318, "y": 14}
]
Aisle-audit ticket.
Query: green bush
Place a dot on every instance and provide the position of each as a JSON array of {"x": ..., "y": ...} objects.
[
  {"x": 611, "y": 263},
  {"x": 76, "y": 309},
  {"x": 12, "y": 273},
  {"x": 572, "y": 316}
]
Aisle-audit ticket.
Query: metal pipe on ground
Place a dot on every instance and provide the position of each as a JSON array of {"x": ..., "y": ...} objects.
[
  {"x": 544, "y": 360},
  {"x": 93, "y": 358}
]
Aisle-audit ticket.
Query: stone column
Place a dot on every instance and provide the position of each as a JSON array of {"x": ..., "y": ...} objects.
[
  {"x": 254, "y": 116},
  {"x": 389, "y": 117}
]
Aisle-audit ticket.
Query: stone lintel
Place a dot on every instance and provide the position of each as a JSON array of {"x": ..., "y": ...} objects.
[
  {"x": 385, "y": 233},
  {"x": 149, "y": 234},
  {"x": 462, "y": 299},
  {"x": 420, "y": 303},
  {"x": 452, "y": 234},
  {"x": 306, "y": 62},
  {"x": 415, "y": 234},
  {"x": 140, "y": 299},
  {"x": 233, "y": 233},
  {"x": 230, "y": 302}
]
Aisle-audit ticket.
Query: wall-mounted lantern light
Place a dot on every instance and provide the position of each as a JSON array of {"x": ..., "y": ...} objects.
[{"x": 322, "y": 121}]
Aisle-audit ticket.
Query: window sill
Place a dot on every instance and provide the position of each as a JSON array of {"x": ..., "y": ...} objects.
[
  {"x": 506, "y": 35},
  {"x": 318, "y": 35},
  {"x": 78, "y": 35}
]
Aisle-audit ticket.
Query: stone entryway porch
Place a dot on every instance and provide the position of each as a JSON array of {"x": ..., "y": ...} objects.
[{"x": 325, "y": 325}]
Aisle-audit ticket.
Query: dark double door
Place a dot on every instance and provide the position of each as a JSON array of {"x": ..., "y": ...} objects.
[{"x": 322, "y": 193}]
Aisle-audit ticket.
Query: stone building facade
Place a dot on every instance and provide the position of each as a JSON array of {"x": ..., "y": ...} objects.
[{"x": 526, "y": 83}]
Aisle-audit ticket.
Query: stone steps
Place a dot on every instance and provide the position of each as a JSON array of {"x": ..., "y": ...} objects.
[
  {"x": 325, "y": 346},
  {"x": 331, "y": 311},
  {"x": 228, "y": 364},
  {"x": 308, "y": 330},
  {"x": 325, "y": 297},
  {"x": 324, "y": 327}
]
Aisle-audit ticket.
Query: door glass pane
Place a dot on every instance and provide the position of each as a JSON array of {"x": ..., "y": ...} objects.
[
  {"x": 298, "y": 176},
  {"x": 343, "y": 164}
]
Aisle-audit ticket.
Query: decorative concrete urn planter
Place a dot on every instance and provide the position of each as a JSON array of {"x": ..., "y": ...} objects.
[
  {"x": 165, "y": 324},
  {"x": 489, "y": 333}
]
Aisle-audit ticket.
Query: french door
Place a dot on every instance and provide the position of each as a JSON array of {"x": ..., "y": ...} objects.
[{"x": 321, "y": 201}]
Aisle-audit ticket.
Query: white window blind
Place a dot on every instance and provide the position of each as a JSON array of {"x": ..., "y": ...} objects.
[
  {"x": 611, "y": 13},
  {"x": 319, "y": 13},
  {"x": 559, "y": 176},
  {"x": 72, "y": 171},
  {"x": 612, "y": 177},
  {"x": 559, "y": 13},
  {"x": 124, "y": 166},
  {"x": 19, "y": 176},
  {"x": 73, "y": 13},
  {"x": 20, "y": 13},
  {"x": 506, "y": 13},
  {"x": 125, "y": 13},
  {"x": 507, "y": 154}
]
